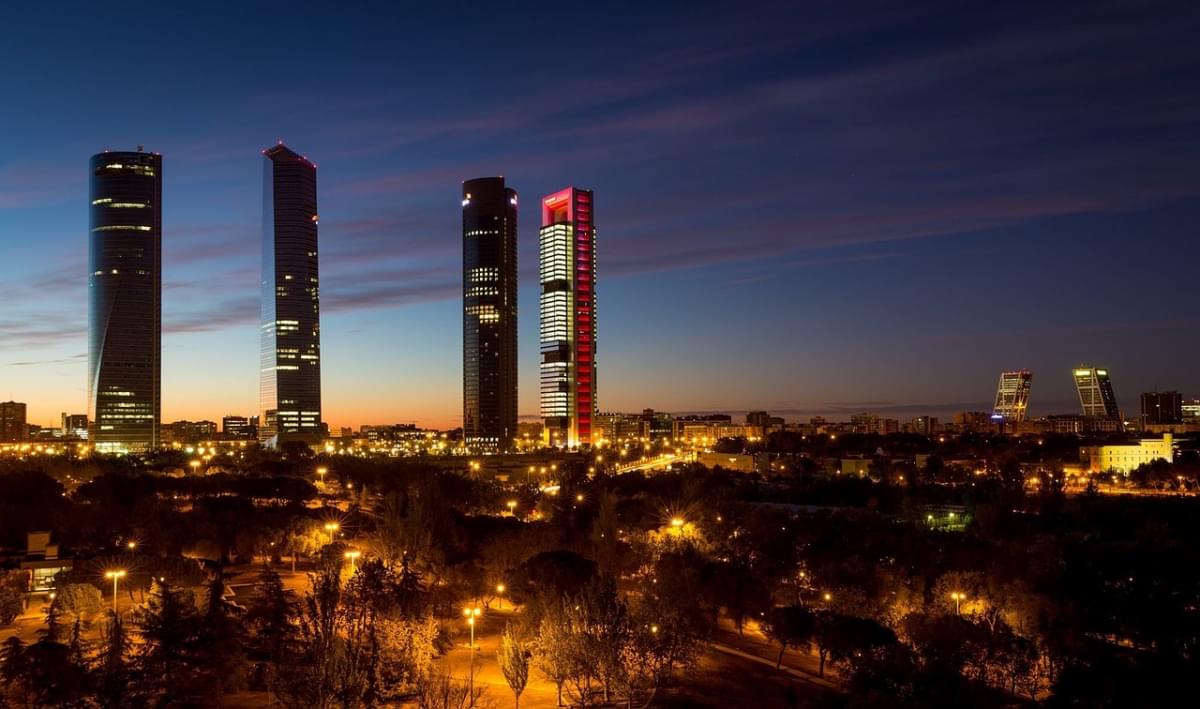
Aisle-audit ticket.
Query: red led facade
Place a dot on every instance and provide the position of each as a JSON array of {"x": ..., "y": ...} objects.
[{"x": 573, "y": 207}]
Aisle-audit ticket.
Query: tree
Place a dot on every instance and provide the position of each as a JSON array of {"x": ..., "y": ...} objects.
[
  {"x": 77, "y": 602},
  {"x": 555, "y": 646},
  {"x": 320, "y": 672},
  {"x": 841, "y": 637},
  {"x": 170, "y": 630},
  {"x": 789, "y": 626},
  {"x": 219, "y": 657},
  {"x": 112, "y": 675},
  {"x": 438, "y": 690},
  {"x": 14, "y": 671},
  {"x": 50, "y": 675},
  {"x": 12, "y": 595},
  {"x": 513, "y": 658},
  {"x": 268, "y": 619}
]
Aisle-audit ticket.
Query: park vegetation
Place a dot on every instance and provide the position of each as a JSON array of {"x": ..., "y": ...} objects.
[{"x": 622, "y": 582}]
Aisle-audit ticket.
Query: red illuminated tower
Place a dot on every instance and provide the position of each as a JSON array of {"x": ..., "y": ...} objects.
[{"x": 568, "y": 317}]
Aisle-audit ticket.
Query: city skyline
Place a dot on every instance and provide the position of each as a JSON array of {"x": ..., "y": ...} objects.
[{"x": 744, "y": 232}]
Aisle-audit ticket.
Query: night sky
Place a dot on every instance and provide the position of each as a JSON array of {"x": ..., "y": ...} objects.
[{"x": 811, "y": 208}]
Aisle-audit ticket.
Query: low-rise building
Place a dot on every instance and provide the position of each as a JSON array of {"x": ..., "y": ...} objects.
[{"x": 1127, "y": 458}]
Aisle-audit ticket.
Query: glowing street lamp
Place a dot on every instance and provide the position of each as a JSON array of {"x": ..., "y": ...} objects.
[
  {"x": 195, "y": 466},
  {"x": 512, "y": 507},
  {"x": 331, "y": 527},
  {"x": 321, "y": 471},
  {"x": 500, "y": 588},
  {"x": 958, "y": 597},
  {"x": 827, "y": 597},
  {"x": 353, "y": 556},
  {"x": 471, "y": 614},
  {"x": 116, "y": 575}
]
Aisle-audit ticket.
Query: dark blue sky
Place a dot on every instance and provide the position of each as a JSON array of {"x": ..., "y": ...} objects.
[{"x": 813, "y": 208}]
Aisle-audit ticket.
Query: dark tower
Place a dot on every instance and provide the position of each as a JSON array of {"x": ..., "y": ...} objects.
[
  {"x": 125, "y": 300},
  {"x": 290, "y": 354},
  {"x": 489, "y": 229}
]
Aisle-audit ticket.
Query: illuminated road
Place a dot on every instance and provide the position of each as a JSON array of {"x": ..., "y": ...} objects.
[{"x": 657, "y": 463}]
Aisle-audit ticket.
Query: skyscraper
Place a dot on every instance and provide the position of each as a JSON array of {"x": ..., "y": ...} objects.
[
  {"x": 125, "y": 300},
  {"x": 489, "y": 230},
  {"x": 1162, "y": 407},
  {"x": 1012, "y": 396},
  {"x": 1096, "y": 393},
  {"x": 568, "y": 317},
  {"x": 290, "y": 353}
]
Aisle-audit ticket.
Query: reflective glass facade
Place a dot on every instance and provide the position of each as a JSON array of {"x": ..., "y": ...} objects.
[
  {"x": 290, "y": 352},
  {"x": 1012, "y": 396},
  {"x": 125, "y": 300},
  {"x": 567, "y": 272},
  {"x": 489, "y": 226},
  {"x": 1096, "y": 393}
]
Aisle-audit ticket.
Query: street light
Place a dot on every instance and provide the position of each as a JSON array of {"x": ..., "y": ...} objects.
[
  {"x": 512, "y": 507},
  {"x": 195, "y": 465},
  {"x": 500, "y": 593},
  {"x": 958, "y": 597},
  {"x": 331, "y": 527},
  {"x": 321, "y": 471},
  {"x": 352, "y": 556},
  {"x": 116, "y": 575},
  {"x": 471, "y": 614}
]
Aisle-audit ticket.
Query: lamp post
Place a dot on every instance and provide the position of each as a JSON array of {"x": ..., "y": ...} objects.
[
  {"x": 321, "y": 471},
  {"x": 353, "y": 556},
  {"x": 500, "y": 594},
  {"x": 957, "y": 600},
  {"x": 331, "y": 527},
  {"x": 471, "y": 614},
  {"x": 116, "y": 575},
  {"x": 512, "y": 508}
]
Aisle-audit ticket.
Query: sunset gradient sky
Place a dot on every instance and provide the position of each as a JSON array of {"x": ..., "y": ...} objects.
[{"x": 811, "y": 208}]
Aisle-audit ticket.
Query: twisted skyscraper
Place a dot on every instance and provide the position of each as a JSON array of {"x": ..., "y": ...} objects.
[{"x": 290, "y": 352}]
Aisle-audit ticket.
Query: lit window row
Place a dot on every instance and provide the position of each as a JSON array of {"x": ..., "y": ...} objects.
[
  {"x": 484, "y": 274},
  {"x": 486, "y": 313}
]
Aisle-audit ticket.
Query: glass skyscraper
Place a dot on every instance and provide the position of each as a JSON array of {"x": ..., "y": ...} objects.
[
  {"x": 489, "y": 230},
  {"x": 290, "y": 353},
  {"x": 567, "y": 269},
  {"x": 125, "y": 300},
  {"x": 1012, "y": 396},
  {"x": 1096, "y": 394}
]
